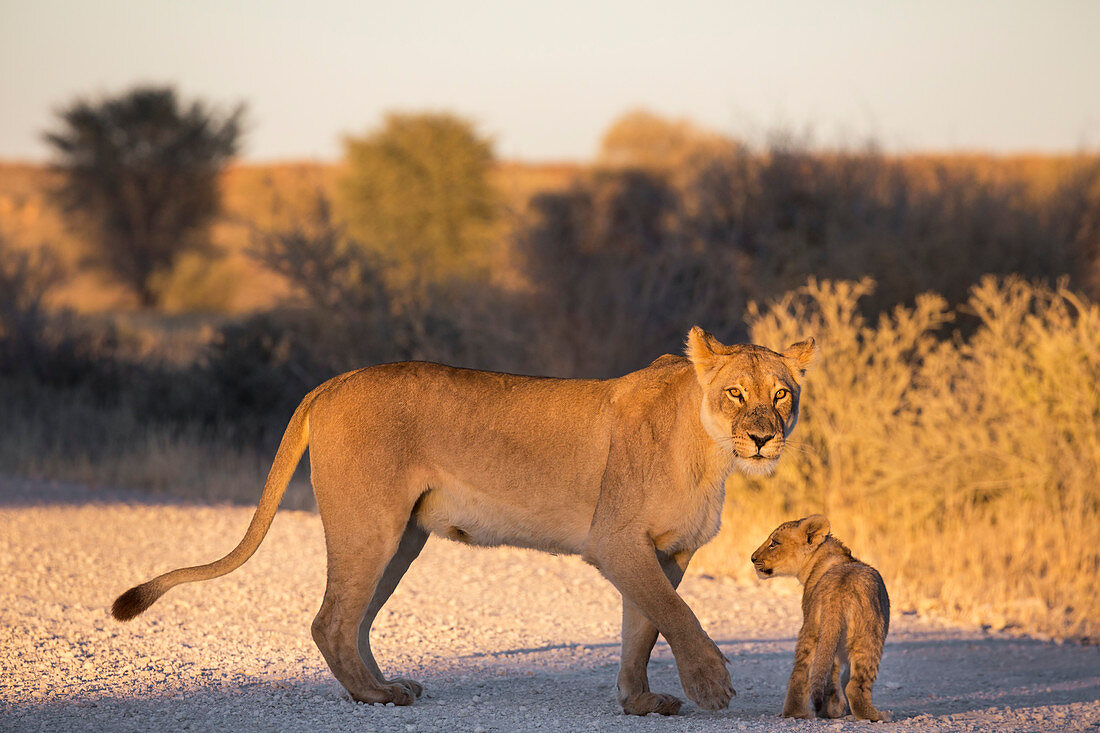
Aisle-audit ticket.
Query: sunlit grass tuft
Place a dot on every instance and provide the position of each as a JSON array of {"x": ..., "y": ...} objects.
[{"x": 967, "y": 470}]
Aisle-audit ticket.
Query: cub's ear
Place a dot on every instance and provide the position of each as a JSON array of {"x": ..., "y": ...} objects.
[
  {"x": 816, "y": 527},
  {"x": 800, "y": 356},
  {"x": 703, "y": 350}
]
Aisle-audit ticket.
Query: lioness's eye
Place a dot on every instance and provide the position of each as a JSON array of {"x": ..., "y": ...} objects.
[
  {"x": 774, "y": 544},
  {"x": 734, "y": 394},
  {"x": 780, "y": 394}
]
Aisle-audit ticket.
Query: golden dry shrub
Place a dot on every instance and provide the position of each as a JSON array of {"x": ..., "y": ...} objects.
[{"x": 963, "y": 467}]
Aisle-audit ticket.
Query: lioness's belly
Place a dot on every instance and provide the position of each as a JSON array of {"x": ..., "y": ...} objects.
[{"x": 477, "y": 518}]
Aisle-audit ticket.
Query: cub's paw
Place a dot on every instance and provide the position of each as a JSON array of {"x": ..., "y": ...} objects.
[
  {"x": 797, "y": 706},
  {"x": 705, "y": 679},
  {"x": 644, "y": 703},
  {"x": 837, "y": 707},
  {"x": 830, "y": 706},
  {"x": 803, "y": 713}
]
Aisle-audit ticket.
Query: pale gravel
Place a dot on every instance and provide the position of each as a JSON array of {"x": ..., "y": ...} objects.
[{"x": 503, "y": 640}]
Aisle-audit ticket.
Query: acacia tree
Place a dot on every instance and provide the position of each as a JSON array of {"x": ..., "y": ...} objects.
[
  {"x": 140, "y": 178},
  {"x": 417, "y": 191}
]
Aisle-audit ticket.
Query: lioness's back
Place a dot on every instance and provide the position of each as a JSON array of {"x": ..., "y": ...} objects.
[{"x": 441, "y": 404}]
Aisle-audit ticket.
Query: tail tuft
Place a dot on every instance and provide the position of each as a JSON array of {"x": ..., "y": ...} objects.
[{"x": 134, "y": 601}]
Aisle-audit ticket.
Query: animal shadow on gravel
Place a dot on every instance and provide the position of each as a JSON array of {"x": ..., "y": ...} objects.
[{"x": 937, "y": 673}]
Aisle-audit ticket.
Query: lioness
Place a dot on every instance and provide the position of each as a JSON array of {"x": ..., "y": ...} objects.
[
  {"x": 846, "y": 615},
  {"x": 626, "y": 472}
]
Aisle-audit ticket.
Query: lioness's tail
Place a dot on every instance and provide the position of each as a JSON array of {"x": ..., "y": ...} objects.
[{"x": 293, "y": 445}]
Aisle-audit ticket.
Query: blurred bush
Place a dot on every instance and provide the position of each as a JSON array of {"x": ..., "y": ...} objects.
[
  {"x": 39, "y": 343},
  {"x": 198, "y": 283},
  {"x": 26, "y": 278},
  {"x": 417, "y": 192},
  {"x": 646, "y": 141},
  {"x": 616, "y": 281},
  {"x": 368, "y": 319},
  {"x": 679, "y": 227}
]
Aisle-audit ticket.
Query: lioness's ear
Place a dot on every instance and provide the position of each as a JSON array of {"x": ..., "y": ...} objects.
[
  {"x": 800, "y": 356},
  {"x": 702, "y": 349},
  {"x": 816, "y": 527}
]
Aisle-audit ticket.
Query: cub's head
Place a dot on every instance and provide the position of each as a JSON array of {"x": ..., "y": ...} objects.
[
  {"x": 750, "y": 396},
  {"x": 789, "y": 546}
]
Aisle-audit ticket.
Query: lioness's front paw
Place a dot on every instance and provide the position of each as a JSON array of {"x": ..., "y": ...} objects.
[
  {"x": 412, "y": 685},
  {"x": 393, "y": 692},
  {"x": 706, "y": 680},
  {"x": 644, "y": 703}
]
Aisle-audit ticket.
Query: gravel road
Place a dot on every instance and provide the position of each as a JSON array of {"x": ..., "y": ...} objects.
[{"x": 503, "y": 640}]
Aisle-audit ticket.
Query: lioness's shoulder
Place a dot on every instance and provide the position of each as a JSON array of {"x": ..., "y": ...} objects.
[
  {"x": 667, "y": 360},
  {"x": 655, "y": 380}
]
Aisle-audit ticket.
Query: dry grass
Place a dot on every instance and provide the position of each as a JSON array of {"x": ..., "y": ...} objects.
[
  {"x": 964, "y": 469},
  {"x": 70, "y": 436}
]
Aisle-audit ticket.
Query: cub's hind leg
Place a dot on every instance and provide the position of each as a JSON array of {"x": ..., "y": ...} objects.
[
  {"x": 797, "y": 702},
  {"x": 864, "y": 656},
  {"x": 412, "y": 542},
  {"x": 836, "y": 703}
]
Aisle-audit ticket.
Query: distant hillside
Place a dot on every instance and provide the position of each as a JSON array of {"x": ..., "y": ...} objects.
[
  {"x": 254, "y": 195},
  {"x": 265, "y": 195}
]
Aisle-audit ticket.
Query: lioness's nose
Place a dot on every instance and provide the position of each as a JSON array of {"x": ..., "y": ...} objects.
[{"x": 760, "y": 440}]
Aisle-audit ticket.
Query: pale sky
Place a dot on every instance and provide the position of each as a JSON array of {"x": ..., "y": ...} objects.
[{"x": 545, "y": 79}]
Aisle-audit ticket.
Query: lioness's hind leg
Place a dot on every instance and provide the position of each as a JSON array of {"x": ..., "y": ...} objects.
[
  {"x": 412, "y": 542},
  {"x": 362, "y": 535}
]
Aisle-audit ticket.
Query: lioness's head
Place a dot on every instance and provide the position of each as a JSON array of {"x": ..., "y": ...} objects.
[
  {"x": 750, "y": 396},
  {"x": 789, "y": 546}
]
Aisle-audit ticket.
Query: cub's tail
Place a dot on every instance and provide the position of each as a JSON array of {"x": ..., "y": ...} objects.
[{"x": 293, "y": 445}]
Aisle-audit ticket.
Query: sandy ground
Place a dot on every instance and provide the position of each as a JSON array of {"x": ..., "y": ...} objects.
[{"x": 503, "y": 640}]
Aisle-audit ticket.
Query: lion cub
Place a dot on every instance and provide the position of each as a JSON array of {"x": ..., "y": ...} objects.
[{"x": 845, "y": 617}]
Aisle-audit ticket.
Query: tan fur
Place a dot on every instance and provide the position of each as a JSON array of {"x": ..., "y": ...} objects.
[
  {"x": 626, "y": 472},
  {"x": 846, "y": 616}
]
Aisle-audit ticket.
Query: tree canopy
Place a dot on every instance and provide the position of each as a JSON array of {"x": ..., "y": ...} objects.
[
  {"x": 417, "y": 191},
  {"x": 140, "y": 178}
]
